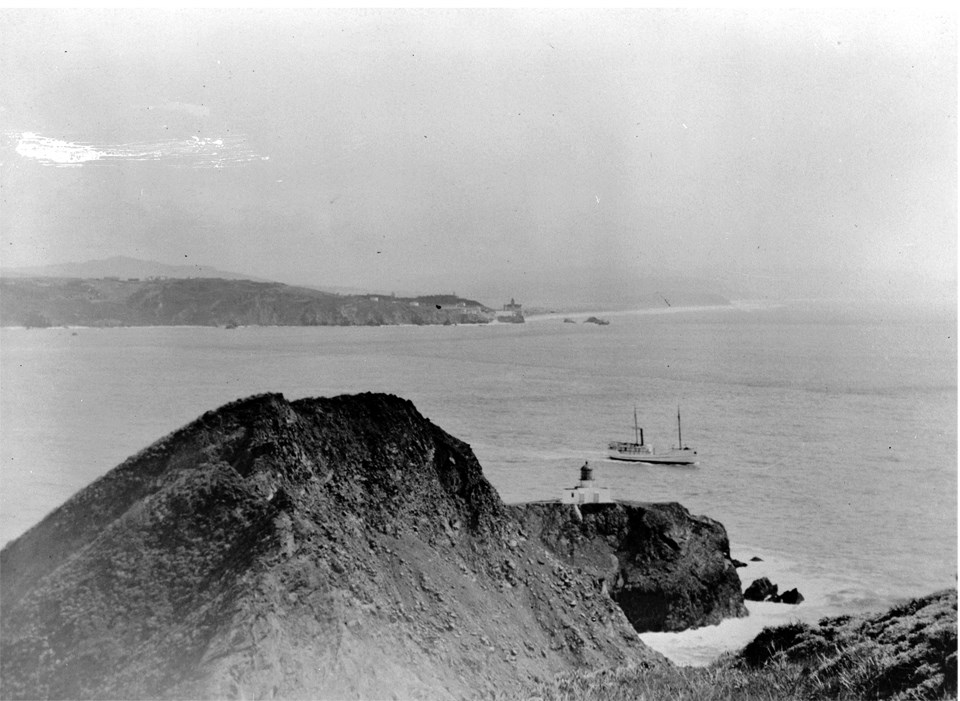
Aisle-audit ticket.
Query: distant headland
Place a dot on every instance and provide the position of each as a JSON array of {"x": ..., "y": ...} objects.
[
  {"x": 123, "y": 291},
  {"x": 111, "y": 301}
]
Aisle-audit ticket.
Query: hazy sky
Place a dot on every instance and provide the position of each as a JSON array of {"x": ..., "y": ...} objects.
[{"x": 383, "y": 149}]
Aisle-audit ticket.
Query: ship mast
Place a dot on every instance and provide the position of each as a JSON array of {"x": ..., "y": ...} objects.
[
  {"x": 636, "y": 437},
  {"x": 679, "y": 435}
]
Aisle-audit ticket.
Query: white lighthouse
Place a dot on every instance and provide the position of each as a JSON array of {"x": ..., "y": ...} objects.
[{"x": 586, "y": 491}]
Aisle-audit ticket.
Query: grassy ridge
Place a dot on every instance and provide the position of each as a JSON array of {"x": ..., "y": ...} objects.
[{"x": 908, "y": 652}]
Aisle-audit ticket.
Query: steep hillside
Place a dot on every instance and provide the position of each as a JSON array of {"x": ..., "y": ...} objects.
[
  {"x": 42, "y": 302},
  {"x": 322, "y": 548}
]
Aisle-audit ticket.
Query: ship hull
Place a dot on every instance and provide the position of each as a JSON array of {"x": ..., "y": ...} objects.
[{"x": 640, "y": 453}]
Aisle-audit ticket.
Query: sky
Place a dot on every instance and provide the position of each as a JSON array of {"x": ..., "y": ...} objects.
[{"x": 782, "y": 153}]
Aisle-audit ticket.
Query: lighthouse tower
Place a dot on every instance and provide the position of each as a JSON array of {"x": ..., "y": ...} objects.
[{"x": 586, "y": 491}]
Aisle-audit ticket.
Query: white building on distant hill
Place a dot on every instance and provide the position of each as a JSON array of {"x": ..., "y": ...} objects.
[{"x": 511, "y": 312}]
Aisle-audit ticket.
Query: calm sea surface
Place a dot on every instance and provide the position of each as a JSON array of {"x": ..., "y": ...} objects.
[{"x": 827, "y": 438}]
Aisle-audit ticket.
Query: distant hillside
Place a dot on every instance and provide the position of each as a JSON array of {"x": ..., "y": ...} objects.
[
  {"x": 123, "y": 267},
  {"x": 584, "y": 288},
  {"x": 44, "y": 301}
]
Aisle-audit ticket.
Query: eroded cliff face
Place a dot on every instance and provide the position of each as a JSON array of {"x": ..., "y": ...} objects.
[
  {"x": 667, "y": 569},
  {"x": 322, "y": 548}
]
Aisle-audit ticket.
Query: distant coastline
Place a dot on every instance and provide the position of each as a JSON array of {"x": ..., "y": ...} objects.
[
  {"x": 579, "y": 317},
  {"x": 114, "y": 301},
  {"x": 43, "y": 302}
]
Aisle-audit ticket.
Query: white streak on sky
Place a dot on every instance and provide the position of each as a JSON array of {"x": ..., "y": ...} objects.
[
  {"x": 55, "y": 152},
  {"x": 195, "y": 152}
]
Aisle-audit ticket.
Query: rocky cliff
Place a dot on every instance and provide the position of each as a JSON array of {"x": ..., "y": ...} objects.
[
  {"x": 327, "y": 548},
  {"x": 667, "y": 569}
]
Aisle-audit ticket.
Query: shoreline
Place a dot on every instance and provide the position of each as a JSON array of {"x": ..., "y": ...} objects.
[
  {"x": 643, "y": 311},
  {"x": 735, "y": 305},
  {"x": 825, "y": 596}
]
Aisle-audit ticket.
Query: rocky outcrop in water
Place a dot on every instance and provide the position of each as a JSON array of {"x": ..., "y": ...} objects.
[
  {"x": 328, "y": 548},
  {"x": 790, "y": 596},
  {"x": 760, "y": 590},
  {"x": 764, "y": 590}
]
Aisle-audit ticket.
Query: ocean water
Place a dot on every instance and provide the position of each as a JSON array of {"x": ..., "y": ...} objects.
[{"x": 827, "y": 436}]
